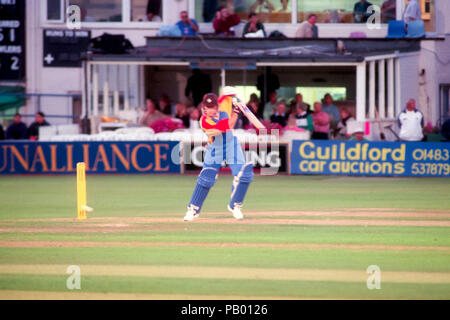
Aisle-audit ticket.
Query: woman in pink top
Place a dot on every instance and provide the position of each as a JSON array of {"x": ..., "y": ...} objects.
[{"x": 321, "y": 123}]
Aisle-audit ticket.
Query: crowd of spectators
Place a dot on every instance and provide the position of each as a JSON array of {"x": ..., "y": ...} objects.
[
  {"x": 323, "y": 120},
  {"x": 18, "y": 130}
]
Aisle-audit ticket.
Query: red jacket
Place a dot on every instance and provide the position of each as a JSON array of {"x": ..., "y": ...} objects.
[{"x": 223, "y": 26}]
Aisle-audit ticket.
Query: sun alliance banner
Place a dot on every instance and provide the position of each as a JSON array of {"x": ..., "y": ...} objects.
[
  {"x": 30, "y": 157},
  {"x": 364, "y": 158}
]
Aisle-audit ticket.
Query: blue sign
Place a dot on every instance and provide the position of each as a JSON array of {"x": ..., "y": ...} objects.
[
  {"x": 28, "y": 157},
  {"x": 363, "y": 158}
]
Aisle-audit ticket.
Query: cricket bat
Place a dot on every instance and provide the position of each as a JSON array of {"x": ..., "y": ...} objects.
[{"x": 246, "y": 111}]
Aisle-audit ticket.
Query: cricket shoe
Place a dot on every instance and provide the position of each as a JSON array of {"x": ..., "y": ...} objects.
[
  {"x": 236, "y": 211},
  {"x": 191, "y": 214}
]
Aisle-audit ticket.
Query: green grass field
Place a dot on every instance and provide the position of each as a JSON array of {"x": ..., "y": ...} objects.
[{"x": 303, "y": 237}]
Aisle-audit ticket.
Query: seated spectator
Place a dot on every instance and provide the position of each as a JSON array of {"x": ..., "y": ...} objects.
[
  {"x": 253, "y": 25},
  {"x": 412, "y": 12},
  {"x": 2, "y": 133},
  {"x": 321, "y": 123},
  {"x": 303, "y": 119},
  {"x": 308, "y": 28},
  {"x": 360, "y": 14},
  {"x": 224, "y": 22},
  {"x": 152, "y": 114},
  {"x": 188, "y": 27},
  {"x": 292, "y": 124},
  {"x": 33, "y": 130},
  {"x": 182, "y": 114},
  {"x": 341, "y": 129},
  {"x": 253, "y": 106},
  {"x": 17, "y": 130},
  {"x": 165, "y": 106},
  {"x": 254, "y": 98},
  {"x": 194, "y": 117},
  {"x": 198, "y": 84},
  {"x": 445, "y": 130},
  {"x": 332, "y": 110},
  {"x": 270, "y": 106},
  {"x": 358, "y": 136},
  {"x": 411, "y": 123},
  {"x": 280, "y": 115}
]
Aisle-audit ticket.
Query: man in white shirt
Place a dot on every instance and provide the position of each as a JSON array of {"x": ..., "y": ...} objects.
[
  {"x": 412, "y": 12},
  {"x": 411, "y": 123}
]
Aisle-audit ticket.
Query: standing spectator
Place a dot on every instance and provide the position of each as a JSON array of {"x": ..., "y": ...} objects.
[
  {"x": 262, "y": 6},
  {"x": 308, "y": 28},
  {"x": 17, "y": 130},
  {"x": 267, "y": 83},
  {"x": 332, "y": 111},
  {"x": 389, "y": 10},
  {"x": 304, "y": 120},
  {"x": 270, "y": 106},
  {"x": 182, "y": 114},
  {"x": 224, "y": 22},
  {"x": 33, "y": 130},
  {"x": 154, "y": 11},
  {"x": 198, "y": 84},
  {"x": 280, "y": 115},
  {"x": 299, "y": 100},
  {"x": 412, "y": 12},
  {"x": 151, "y": 115},
  {"x": 253, "y": 25},
  {"x": 2, "y": 133},
  {"x": 165, "y": 106},
  {"x": 209, "y": 10},
  {"x": 188, "y": 27},
  {"x": 341, "y": 129},
  {"x": 321, "y": 123},
  {"x": 360, "y": 14},
  {"x": 254, "y": 98},
  {"x": 411, "y": 123}
]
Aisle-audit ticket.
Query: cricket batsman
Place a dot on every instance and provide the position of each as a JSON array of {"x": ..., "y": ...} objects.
[{"x": 218, "y": 119}]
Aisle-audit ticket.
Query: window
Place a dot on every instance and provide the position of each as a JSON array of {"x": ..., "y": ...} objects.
[
  {"x": 445, "y": 103},
  {"x": 316, "y": 94},
  {"x": 345, "y": 11},
  {"x": 54, "y": 11},
  {"x": 99, "y": 10},
  {"x": 269, "y": 11},
  {"x": 146, "y": 10}
]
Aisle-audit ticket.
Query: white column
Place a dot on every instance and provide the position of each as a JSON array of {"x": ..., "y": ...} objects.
[
  {"x": 372, "y": 89},
  {"x": 361, "y": 91},
  {"x": 398, "y": 90},
  {"x": 106, "y": 98},
  {"x": 95, "y": 90},
  {"x": 126, "y": 11},
  {"x": 116, "y": 103},
  {"x": 222, "y": 77},
  {"x": 391, "y": 87},
  {"x": 294, "y": 14},
  {"x": 381, "y": 89},
  {"x": 126, "y": 98}
]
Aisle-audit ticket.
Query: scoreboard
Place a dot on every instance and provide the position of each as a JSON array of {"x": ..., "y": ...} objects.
[{"x": 12, "y": 40}]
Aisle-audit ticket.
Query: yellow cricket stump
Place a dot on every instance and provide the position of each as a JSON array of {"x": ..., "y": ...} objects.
[{"x": 81, "y": 190}]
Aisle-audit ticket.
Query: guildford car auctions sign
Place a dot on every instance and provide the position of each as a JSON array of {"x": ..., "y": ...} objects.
[
  {"x": 371, "y": 158},
  {"x": 99, "y": 157},
  {"x": 12, "y": 40}
]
